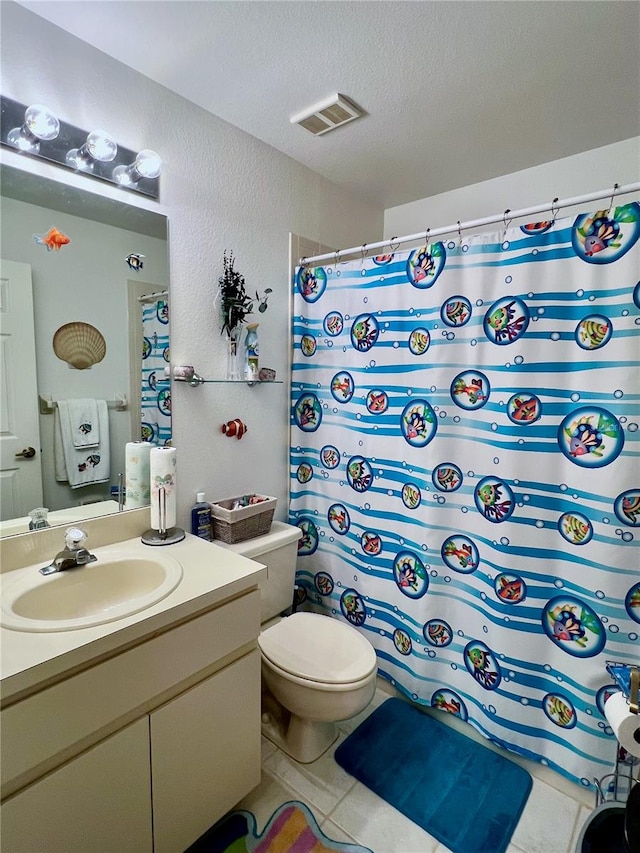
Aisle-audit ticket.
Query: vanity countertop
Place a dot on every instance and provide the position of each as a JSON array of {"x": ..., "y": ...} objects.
[{"x": 211, "y": 574}]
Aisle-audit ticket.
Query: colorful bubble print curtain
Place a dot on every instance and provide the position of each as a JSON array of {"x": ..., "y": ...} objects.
[
  {"x": 464, "y": 467},
  {"x": 156, "y": 392}
]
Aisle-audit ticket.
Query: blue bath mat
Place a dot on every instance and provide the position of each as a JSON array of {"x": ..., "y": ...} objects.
[{"x": 457, "y": 790}]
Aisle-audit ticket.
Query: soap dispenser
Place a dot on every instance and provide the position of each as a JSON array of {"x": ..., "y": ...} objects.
[{"x": 201, "y": 518}]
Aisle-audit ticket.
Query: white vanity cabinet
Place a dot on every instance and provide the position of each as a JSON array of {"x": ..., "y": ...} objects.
[
  {"x": 143, "y": 750},
  {"x": 99, "y": 801}
]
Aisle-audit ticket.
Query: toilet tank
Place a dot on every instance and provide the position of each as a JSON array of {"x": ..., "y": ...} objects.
[{"x": 278, "y": 551}]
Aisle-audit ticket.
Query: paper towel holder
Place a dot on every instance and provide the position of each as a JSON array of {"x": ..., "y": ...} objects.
[{"x": 163, "y": 536}]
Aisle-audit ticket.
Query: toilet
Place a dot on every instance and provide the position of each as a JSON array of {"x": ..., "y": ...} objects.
[{"x": 316, "y": 670}]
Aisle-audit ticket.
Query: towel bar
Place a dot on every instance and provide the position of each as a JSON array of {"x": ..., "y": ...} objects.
[{"x": 47, "y": 405}]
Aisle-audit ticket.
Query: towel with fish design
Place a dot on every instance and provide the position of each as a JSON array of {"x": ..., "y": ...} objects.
[{"x": 77, "y": 463}]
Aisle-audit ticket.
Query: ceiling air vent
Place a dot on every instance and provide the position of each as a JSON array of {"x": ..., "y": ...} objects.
[{"x": 327, "y": 115}]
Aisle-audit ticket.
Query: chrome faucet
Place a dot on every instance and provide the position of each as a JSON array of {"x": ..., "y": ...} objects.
[{"x": 73, "y": 554}]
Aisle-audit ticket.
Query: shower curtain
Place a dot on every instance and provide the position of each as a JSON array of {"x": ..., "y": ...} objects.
[
  {"x": 155, "y": 392},
  {"x": 464, "y": 469}
]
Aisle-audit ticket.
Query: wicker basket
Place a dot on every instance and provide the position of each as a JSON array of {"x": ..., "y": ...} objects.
[{"x": 236, "y": 525}]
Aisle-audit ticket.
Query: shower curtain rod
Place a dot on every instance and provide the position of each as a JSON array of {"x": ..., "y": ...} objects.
[
  {"x": 505, "y": 217},
  {"x": 149, "y": 297}
]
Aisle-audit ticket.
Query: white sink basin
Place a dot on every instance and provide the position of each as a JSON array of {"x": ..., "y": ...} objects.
[{"x": 118, "y": 584}]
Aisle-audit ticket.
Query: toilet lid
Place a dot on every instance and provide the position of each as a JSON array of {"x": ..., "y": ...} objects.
[{"x": 318, "y": 648}]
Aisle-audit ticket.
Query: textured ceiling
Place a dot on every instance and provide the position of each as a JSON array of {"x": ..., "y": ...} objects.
[{"x": 454, "y": 92}]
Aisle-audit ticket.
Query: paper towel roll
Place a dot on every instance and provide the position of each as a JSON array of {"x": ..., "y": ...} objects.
[
  {"x": 137, "y": 476},
  {"x": 162, "y": 466},
  {"x": 625, "y": 725}
]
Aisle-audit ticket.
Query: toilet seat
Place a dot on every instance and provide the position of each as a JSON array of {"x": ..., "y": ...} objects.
[{"x": 318, "y": 648}]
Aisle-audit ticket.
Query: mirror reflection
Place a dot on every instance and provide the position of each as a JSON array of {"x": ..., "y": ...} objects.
[{"x": 84, "y": 302}]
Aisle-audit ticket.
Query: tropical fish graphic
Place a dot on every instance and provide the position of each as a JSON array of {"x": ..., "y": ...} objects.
[
  {"x": 424, "y": 265},
  {"x": 135, "y": 261},
  {"x": 85, "y": 429},
  {"x": 448, "y": 479},
  {"x": 443, "y": 704},
  {"x": 411, "y": 496},
  {"x": 377, "y": 401},
  {"x": 474, "y": 391},
  {"x": 342, "y": 385},
  {"x": 631, "y": 507},
  {"x": 353, "y": 607},
  {"x": 89, "y": 462},
  {"x": 510, "y": 589},
  {"x": 463, "y": 554},
  {"x": 371, "y": 543},
  {"x": 525, "y": 409},
  {"x": 334, "y": 324},
  {"x": 402, "y": 641},
  {"x": 415, "y": 421},
  {"x": 360, "y": 475},
  {"x": 407, "y": 575},
  {"x": 438, "y": 634},
  {"x": 599, "y": 233},
  {"x": 365, "y": 334},
  {"x": 382, "y": 259},
  {"x": 584, "y": 437},
  {"x": 308, "y": 282},
  {"x": 505, "y": 323},
  {"x": 568, "y": 627},
  {"x": 492, "y": 503},
  {"x": 593, "y": 334},
  {"x": 338, "y": 518},
  {"x": 575, "y": 528},
  {"x": 307, "y": 413},
  {"x": 457, "y": 312},
  {"x": 562, "y": 713},
  {"x": 420, "y": 341},
  {"x": 481, "y": 663},
  {"x": 330, "y": 458},
  {"x": 54, "y": 239}
]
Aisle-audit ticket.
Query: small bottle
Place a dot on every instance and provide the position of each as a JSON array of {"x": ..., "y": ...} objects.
[
  {"x": 201, "y": 518},
  {"x": 251, "y": 367},
  {"x": 38, "y": 518}
]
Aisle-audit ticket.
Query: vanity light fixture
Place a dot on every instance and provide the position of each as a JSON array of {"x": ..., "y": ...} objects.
[
  {"x": 40, "y": 124},
  {"x": 99, "y": 147},
  {"x": 146, "y": 165},
  {"x": 96, "y": 154}
]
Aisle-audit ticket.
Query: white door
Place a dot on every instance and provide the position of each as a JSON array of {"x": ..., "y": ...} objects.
[{"x": 20, "y": 475}]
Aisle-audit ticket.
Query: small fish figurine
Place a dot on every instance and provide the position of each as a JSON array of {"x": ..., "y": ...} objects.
[
  {"x": 135, "y": 261},
  {"x": 54, "y": 239}
]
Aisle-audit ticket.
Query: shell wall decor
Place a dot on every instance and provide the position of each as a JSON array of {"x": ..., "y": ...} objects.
[{"x": 81, "y": 345}]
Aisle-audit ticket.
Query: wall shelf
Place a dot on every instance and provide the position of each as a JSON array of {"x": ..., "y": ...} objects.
[{"x": 200, "y": 380}]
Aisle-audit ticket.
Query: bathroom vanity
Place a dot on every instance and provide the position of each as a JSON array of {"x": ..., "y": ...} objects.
[{"x": 138, "y": 733}]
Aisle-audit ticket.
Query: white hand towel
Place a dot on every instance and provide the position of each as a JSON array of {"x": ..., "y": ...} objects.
[
  {"x": 83, "y": 466},
  {"x": 84, "y": 425}
]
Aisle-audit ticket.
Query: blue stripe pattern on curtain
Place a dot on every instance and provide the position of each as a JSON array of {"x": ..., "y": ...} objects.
[
  {"x": 155, "y": 391},
  {"x": 464, "y": 468}
]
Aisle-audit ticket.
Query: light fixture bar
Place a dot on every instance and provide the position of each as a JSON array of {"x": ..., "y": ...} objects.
[{"x": 78, "y": 150}]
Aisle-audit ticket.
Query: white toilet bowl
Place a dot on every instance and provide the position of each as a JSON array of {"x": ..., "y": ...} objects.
[{"x": 320, "y": 671}]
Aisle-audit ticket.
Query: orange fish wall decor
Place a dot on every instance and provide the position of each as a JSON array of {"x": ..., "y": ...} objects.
[
  {"x": 235, "y": 427},
  {"x": 54, "y": 239}
]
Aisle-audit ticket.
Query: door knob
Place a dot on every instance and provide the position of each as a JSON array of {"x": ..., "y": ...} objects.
[{"x": 27, "y": 453}]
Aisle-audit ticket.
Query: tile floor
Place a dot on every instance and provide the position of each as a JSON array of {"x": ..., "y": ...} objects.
[{"x": 347, "y": 811}]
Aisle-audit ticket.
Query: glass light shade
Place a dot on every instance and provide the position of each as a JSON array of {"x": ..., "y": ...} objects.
[
  {"x": 148, "y": 164},
  {"x": 101, "y": 146},
  {"x": 41, "y": 122}
]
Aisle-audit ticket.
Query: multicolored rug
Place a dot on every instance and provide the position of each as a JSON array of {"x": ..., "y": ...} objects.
[
  {"x": 465, "y": 795},
  {"x": 291, "y": 829}
]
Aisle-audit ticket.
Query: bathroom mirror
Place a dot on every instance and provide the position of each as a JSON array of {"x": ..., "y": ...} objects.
[{"x": 117, "y": 252}]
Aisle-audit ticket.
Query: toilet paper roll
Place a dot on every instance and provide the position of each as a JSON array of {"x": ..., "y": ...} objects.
[
  {"x": 162, "y": 467},
  {"x": 137, "y": 474},
  {"x": 625, "y": 725}
]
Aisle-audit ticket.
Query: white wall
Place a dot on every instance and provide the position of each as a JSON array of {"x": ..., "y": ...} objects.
[
  {"x": 85, "y": 281},
  {"x": 221, "y": 189},
  {"x": 582, "y": 173}
]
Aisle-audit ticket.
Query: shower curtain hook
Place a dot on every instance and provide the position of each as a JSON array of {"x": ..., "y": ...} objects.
[
  {"x": 427, "y": 236},
  {"x": 459, "y": 234},
  {"x": 338, "y": 256},
  {"x": 506, "y": 224},
  {"x": 394, "y": 246},
  {"x": 555, "y": 209},
  {"x": 615, "y": 187},
  {"x": 364, "y": 252}
]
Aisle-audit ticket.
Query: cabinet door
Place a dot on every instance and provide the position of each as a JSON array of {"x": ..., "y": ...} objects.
[
  {"x": 100, "y": 801},
  {"x": 205, "y": 753}
]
